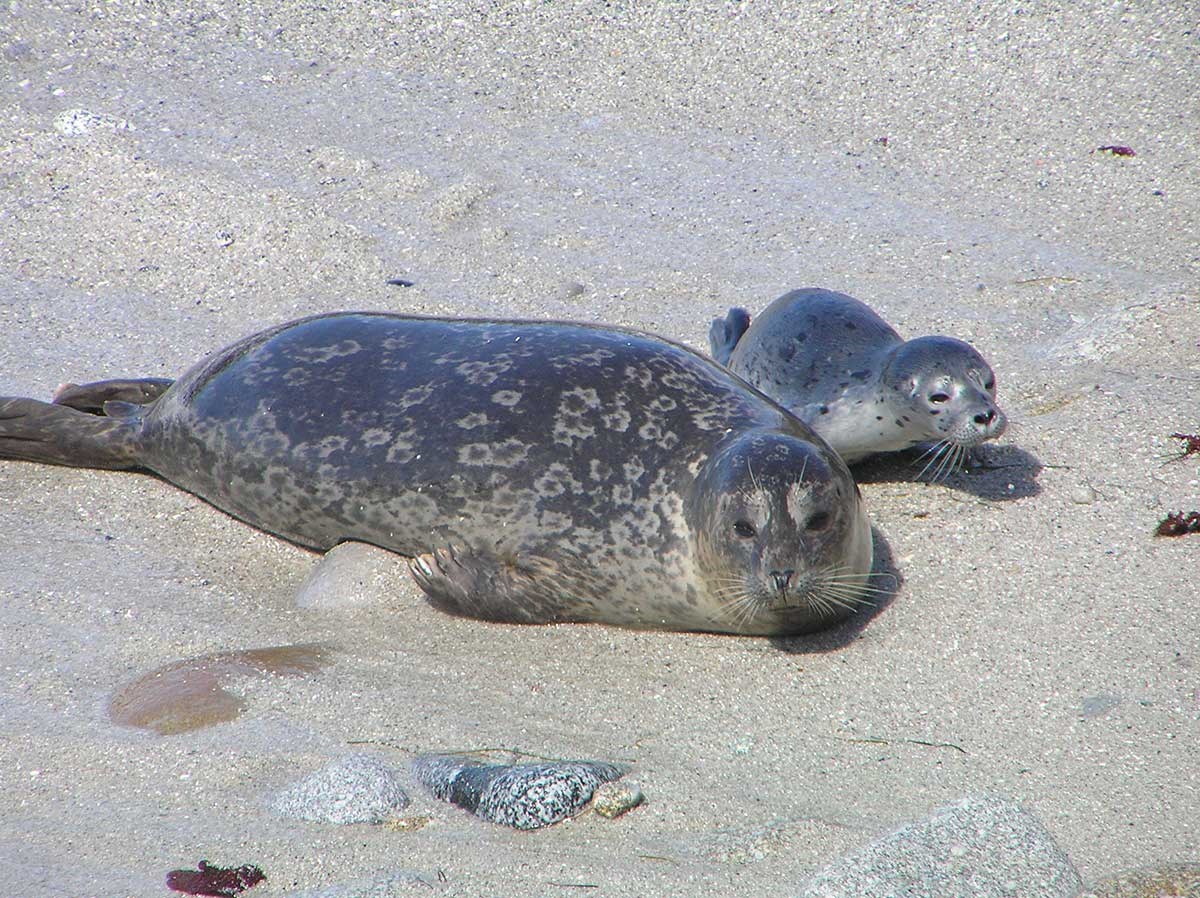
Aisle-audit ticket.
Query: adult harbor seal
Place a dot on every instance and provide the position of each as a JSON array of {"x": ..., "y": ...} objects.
[
  {"x": 835, "y": 363},
  {"x": 534, "y": 471}
]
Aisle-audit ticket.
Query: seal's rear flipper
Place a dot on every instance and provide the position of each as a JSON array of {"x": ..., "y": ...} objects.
[
  {"x": 91, "y": 397},
  {"x": 473, "y": 583},
  {"x": 725, "y": 332},
  {"x": 59, "y": 435}
]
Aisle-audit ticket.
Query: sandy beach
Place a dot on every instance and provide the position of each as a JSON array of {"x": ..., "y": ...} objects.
[{"x": 175, "y": 177}]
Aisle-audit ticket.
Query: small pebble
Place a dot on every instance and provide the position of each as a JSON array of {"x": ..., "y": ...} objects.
[
  {"x": 80, "y": 122},
  {"x": 611, "y": 800},
  {"x": 744, "y": 745},
  {"x": 356, "y": 789},
  {"x": 1095, "y": 705},
  {"x": 408, "y": 824},
  {"x": 1084, "y": 494}
]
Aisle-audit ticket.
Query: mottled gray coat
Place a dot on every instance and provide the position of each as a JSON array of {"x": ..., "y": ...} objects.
[{"x": 560, "y": 468}]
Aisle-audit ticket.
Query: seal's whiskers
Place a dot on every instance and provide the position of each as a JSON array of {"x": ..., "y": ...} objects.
[
  {"x": 945, "y": 458},
  {"x": 738, "y": 602},
  {"x": 933, "y": 453},
  {"x": 840, "y": 586}
]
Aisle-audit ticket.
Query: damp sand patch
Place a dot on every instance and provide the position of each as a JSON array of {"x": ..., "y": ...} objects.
[{"x": 191, "y": 694}]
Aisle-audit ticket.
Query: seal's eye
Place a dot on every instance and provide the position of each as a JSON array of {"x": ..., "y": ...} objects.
[
  {"x": 744, "y": 529},
  {"x": 938, "y": 398},
  {"x": 818, "y": 521}
]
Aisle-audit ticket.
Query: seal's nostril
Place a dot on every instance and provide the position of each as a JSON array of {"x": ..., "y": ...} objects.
[
  {"x": 987, "y": 418},
  {"x": 782, "y": 578}
]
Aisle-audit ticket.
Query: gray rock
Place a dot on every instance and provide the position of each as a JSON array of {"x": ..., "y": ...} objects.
[
  {"x": 355, "y": 789},
  {"x": 352, "y": 574},
  {"x": 981, "y": 847}
]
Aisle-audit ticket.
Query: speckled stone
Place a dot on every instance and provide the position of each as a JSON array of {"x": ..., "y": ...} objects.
[
  {"x": 524, "y": 796},
  {"x": 356, "y": 789}
]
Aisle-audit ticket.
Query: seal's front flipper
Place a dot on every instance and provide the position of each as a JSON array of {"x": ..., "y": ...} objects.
[
  {"x": 482, "y": 584},
  {"x": 58, "y": 435},
  {"x": 725, "y": 332},
  {"x": 91, "y": 397}
]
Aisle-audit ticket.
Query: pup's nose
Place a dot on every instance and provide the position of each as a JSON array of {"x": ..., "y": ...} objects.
[{"x": 782, "y": 579}]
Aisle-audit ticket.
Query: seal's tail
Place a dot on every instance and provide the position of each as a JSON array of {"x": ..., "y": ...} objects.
[
  {"x": 59, "y": 435},
  {"x": 725, "y": 332}
]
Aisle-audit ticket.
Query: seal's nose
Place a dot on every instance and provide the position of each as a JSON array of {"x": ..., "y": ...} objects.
[
  {"x": 984, "y": 419},
  {"x": 782, "y": 579}
]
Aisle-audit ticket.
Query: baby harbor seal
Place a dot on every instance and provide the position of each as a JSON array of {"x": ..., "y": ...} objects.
[
  {"x": 534, "y": 471},
  {"x": 835, "y": 363}
]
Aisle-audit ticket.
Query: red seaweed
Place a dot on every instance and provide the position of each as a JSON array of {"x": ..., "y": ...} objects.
[
  {"x": 1116, "y": 150},
  {"x": 222, "y": 882},
  {"x": 1179, "y": 523},
  {"x": 1191, "y": 443}
]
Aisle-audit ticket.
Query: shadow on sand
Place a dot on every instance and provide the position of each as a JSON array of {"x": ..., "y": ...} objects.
[{"x": 999, "y": 473}]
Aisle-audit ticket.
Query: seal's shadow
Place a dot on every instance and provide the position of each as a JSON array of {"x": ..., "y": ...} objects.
[
  {"x": 885, "y": 577},
  {"x": 998, "y": 473}
]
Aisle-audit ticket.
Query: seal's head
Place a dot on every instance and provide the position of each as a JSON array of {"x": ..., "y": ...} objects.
[
  {"x": 782, "y": 542},
  {"x": 944, "y": 391}
]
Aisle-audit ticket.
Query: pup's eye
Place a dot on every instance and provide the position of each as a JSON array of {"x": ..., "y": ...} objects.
[
  {"x": 938, "y": 398},
  {"x": 818, "y": 521},
  {"x": 744, "y": 529}
]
